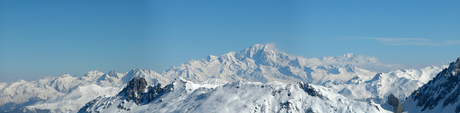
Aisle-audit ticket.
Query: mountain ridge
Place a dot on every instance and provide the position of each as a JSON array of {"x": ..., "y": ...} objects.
[
  {"x": 185, "y": 96},
  {"x": 440, "y": 94}
]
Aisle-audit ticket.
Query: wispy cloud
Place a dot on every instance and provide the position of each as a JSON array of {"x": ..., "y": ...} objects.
[{"x": 411, "y": 41}]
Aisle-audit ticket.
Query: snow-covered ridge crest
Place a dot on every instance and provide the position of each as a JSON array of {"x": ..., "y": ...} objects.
[
  {"x": 185, "y": 96},
  {"x": 263, "y": 63},
  {"x": 440, "y": 94}
]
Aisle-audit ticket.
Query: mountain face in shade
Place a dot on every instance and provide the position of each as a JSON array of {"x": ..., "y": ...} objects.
[
  {"x": 439, "y": 95},
  {"x": 241, "y": 97}
]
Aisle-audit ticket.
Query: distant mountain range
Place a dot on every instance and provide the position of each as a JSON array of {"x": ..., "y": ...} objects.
[{"x": 346, "y": 74}]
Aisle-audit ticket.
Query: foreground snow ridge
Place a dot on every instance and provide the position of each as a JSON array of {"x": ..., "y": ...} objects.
[{"x": 247, "y": 97}]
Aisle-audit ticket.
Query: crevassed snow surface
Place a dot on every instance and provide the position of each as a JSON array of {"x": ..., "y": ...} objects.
[{"x": 237, "y": 97}]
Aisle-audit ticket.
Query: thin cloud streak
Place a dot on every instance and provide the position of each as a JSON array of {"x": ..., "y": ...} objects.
[{"x": 411, "y": 41}]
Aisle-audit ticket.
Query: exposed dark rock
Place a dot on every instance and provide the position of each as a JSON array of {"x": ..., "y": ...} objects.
[
  {"x": 134, "y": 87},
  {"x": 156, "y": 91},
  {"x": 393, "y": 101},
  {"x": 446, "y": 83},
  {"x": 310, "y": 90},
  {"x": 137, "y": 90},
  {"x": 86, "y": 107}
]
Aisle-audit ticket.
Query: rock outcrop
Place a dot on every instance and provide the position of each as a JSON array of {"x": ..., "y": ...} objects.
[
  {"x": 393, "y": 101},
  {"x": 137, "y": 90}
]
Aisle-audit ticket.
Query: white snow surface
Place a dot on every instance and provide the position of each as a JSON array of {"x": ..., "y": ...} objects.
[
  {"x": 400, "y": 83},
  {"x": 45, "y": 91},
  {"x": 237, "y": 97},
  {"x": 76, "y": 99}
]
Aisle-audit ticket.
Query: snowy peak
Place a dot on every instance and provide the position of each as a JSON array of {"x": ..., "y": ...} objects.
[
  {"x": 453, "y": 68},
  {"x": 112, "y": 73},
  {"x": 150, "y": 75},
  {"x": 263, "y": 63},
  {"x": 265, "y": 54},
  {"x": 93, "y": 73},
  {"x": 211, "y": 58},
  {"x": 258, "y": 50}
]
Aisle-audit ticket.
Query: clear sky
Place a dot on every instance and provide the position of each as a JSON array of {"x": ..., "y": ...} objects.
[{"x": 55, "y": 37}]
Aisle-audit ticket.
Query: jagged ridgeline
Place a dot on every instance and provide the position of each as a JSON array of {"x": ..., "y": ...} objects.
[
  {"x": 137, "y": 90},
  {"x": 441, "y": 94},
  {"x": 185, "y": 96}
]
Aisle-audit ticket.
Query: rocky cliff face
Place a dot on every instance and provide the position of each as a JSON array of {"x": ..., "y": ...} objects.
[
  {"x": 135, "y": 87},
  {"x": 137, "y": 90},
  {"x": 393, "y": 101}
]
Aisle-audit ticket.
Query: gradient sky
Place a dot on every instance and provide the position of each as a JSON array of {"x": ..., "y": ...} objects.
[{"x": 55, "y": 37}]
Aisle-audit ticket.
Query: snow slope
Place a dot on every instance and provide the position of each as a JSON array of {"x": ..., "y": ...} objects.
[
  {"x": 236, "y": 97},
  {"x": 43, "y": 93},
  {"x": 439, "y": 95},
  {"x": 400, "y": 83},
  {"x": 76, "y": 99}
]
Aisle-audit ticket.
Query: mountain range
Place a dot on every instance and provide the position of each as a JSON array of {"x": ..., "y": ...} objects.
[{"x": 348, "y": 75}]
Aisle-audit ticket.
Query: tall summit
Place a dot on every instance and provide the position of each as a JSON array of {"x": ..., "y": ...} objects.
[{"x": 264, "y": 63}]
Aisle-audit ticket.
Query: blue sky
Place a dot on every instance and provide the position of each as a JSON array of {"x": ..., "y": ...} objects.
[{"x": 55, "y": 37}]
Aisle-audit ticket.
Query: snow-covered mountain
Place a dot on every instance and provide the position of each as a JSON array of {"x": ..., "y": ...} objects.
[
  {"x": 262, "y": 63},
  {"x": 439, "y": 95},
  {"x": 53, "y": 92},
  {"x": 236, "y": 97},
  {"x": 346, "y": 74},
  {"x": 377, "y": 88}
]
